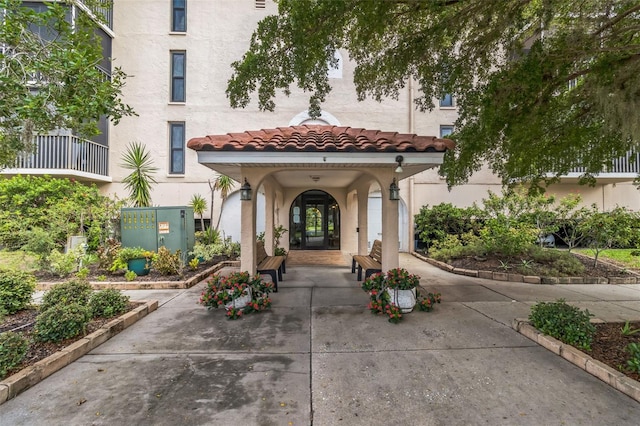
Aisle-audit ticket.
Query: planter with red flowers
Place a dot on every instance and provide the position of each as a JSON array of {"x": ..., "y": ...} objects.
[
  {"x": 239, "y": 293},
  {"x": 396, "y": 292}
]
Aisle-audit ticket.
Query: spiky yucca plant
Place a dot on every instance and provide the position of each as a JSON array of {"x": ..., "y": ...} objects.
[{"x": 137, "y": 159}]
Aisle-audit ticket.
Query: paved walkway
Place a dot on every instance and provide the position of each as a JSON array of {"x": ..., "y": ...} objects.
[{"x": 319, "y": 357}]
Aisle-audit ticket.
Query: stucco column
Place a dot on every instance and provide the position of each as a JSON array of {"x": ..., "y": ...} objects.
[
  {"x": 363, "y": 219},
  {"x": 390, "y": 240},
  {"x": 269, "y": 221},
  {"x": 248, "y": 229}
]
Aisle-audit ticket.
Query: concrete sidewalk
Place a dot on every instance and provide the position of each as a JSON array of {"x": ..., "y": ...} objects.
[{"x": 319, "y": 357}]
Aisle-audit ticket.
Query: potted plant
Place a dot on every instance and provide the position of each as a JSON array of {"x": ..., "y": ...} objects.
[
  {"x": 136, "y": 259},
  {"x": 238, "y": 293},
  {"x": 392, "y": 293}
]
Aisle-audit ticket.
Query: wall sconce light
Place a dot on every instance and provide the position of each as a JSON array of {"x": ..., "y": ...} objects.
[
  {"x": 394, "y": 191},
  {"x": 245, "y": 191},
  {"x": 399, "y": 160}
]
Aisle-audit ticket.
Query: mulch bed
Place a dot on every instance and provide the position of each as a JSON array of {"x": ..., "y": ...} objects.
[
  {"x": 609, "y": 346},
  {"x": 495, "y": 264},
  {"x": 23, "y": 323}
]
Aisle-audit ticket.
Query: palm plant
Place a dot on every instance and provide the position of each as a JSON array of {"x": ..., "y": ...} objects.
[
  {"x": 224, "y": 184},
  {"x": 137, "y": 159},
  {"x": 199, "y": 205}
]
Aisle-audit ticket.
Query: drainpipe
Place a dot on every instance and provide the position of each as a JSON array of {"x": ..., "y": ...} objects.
[{"x": 412, "y": 130}]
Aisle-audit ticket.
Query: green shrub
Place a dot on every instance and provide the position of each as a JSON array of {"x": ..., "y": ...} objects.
[
  {"x": 63, "y": 321},
  {"x": 16, "y": 290},
  {"x": 168, "y": 263},
  {"x": 564, "y": 322},
  {"x": 39, "y": 242},
  {"x": 435, "y": 223},
  {"x": 634, "y": 361},
  {"x": 107, "y": 303},
  {"x": 73, "y": 291},
  {"x": 130, "y": 276},
  {"x": 63, "y": 264},
  {"x": 13, "y": 348}
]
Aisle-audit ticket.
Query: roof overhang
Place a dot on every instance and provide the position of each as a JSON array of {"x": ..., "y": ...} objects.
[{"x": 334, "y": 155}]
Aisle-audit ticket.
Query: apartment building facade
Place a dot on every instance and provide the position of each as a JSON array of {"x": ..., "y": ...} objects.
[{"x": 177, "y": 54}]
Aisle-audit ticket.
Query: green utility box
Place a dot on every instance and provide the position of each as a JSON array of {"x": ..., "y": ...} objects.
[{"x": 154, "y": 227}]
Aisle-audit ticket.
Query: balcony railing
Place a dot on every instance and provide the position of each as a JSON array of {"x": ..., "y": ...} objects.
[
  {"x": 628, "y": 164},
  {"x": 65, "y": 152},
  {"x": 103, "y": 11}
]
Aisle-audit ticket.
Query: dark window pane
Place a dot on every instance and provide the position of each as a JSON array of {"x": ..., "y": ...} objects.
[
  {"x": 179, "y": 16},
  {"x": 177, "y": 162},
  {"x": 177, "y": 77},
  {"x": 445, "y": 131},
  {"x": 446, "y": 101},
  {"x": 177, "y": 148}
]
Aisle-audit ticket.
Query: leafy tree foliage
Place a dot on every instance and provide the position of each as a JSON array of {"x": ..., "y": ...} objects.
[
  {"x": 49, "y": 75},
  {"x": 39, "y": 213},
  {"x": 542, "y": 86}
]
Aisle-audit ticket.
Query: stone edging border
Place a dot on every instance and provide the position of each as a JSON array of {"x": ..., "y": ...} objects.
[
  {"x": 155, "y": 285},
  {"x": 530, "y": 279},
  {"x": 13, "y": 385},
  {"x": 612, "y": 377}
]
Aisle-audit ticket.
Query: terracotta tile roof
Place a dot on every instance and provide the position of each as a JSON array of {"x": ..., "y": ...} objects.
[{"x": 318, "y": 138}]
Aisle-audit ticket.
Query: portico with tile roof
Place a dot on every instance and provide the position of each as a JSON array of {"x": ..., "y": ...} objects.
[{"x": 345, "y": 162}]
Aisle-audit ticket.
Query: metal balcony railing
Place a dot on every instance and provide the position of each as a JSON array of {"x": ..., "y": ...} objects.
[
  {"x": 103, "y": 10},
  {"x": 629, "y": 163},
  {"x": 65, "y": 152}
]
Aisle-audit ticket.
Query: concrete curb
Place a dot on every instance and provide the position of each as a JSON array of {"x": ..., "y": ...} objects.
[
  {"x": 612, "y": 377},
  {"x": 156, "y": 285},
  {"x": 529, "y": 279},
  {"x": 27, "y": 377}
]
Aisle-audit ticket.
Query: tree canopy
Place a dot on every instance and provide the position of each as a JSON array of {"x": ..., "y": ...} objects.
[
  {"x": 542, "y": 86},
  {"x": 49, "y": 75}
]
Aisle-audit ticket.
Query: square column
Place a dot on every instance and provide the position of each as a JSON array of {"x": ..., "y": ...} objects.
[
  {"x": 390, "y": 238},
  {"x": 248, "y": 231}
]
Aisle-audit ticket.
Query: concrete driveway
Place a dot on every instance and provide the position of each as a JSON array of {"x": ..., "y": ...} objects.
[{"x": 319, "y": 357}]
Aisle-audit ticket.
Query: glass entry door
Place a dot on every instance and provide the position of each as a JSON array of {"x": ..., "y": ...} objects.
[{"x": 314, "y": 222}]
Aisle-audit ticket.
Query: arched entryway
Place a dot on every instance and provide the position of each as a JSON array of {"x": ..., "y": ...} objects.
[{"x": 314, "y": 222}]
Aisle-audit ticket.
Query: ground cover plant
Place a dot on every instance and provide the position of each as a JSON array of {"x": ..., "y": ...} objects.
[
  {"x": 509, "y": 233},
  {"x": 615, "y": 344},
  {"x": 68, "y": 312}
]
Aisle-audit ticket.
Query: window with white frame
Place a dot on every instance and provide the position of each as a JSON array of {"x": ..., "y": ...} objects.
[
  {"x": 445, "y": 131},
  {"x": 178, "y": 69},
  {"x": 176, "y": 147},
  {"x": 179, "y": 16}
]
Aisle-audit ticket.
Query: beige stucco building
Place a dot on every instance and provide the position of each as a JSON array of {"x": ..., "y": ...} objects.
[{"x": 178, "y": 53}]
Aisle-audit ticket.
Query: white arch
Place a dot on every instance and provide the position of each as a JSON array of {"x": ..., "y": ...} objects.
[
  {"x": 374, "y": 215},
  {"x": 305, "y": 118},
  {"x": 229, "y": 220}
]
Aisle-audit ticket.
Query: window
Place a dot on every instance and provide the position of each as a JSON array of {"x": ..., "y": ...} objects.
[
  {"x": 445, "y": 131},
  {"x": 176, "y": 134},
  {"x": 447, "y": 100},
  {"x": 178, "y": 67},
  {"x": 179, "y": 16}
]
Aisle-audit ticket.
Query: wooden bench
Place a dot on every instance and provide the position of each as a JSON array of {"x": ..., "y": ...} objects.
[
  {"x": 271, "y": 265},
  {"x": 371, "y": 263}
]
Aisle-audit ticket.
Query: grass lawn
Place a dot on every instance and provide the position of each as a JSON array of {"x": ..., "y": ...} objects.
[
  {"x": 18, "y": 260},
  {"x": 621, "y": 256}
]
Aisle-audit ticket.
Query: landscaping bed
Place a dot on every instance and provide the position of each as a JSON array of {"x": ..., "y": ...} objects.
[
  {"x": 609, "y": 346},
  {"x": 23, "y": 322},
  {"x": 520, "y": 265}
]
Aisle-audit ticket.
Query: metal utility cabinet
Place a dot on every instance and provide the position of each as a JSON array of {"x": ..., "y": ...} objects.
[{"x": 154, "y": 227}]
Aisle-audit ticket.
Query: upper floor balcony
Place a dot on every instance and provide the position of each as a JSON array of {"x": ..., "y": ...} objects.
[
  {"x": 64, "y": 156},
  {"x": 102, "y": 9},
  {"x": 622, "y": 169}
]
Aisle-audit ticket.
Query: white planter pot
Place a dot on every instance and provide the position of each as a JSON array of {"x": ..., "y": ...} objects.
[
  {"x": 241, "y": 301},
  {"x": 404, "y": 299}
]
